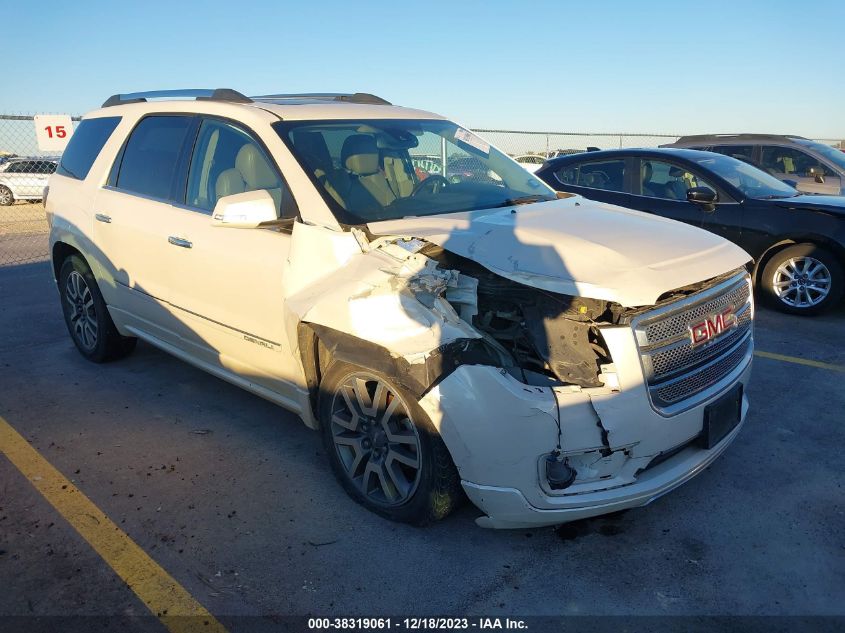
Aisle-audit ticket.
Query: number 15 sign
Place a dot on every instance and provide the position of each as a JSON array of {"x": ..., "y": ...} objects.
[{"x": 53, "y": 131}]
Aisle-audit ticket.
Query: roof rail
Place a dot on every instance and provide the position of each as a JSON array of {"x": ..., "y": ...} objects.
[
  {"x": 205, "y": 94},
  {"x": 356, "y": 97},
  {"x": 740, "y": 137}
]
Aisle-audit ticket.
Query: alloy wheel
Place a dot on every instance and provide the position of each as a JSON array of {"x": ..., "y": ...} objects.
[
  {"x": 82, "y": 313},
  {"x": 376, "y": 439},
  {"x": 5, "y": 196},
  {"x": 802, "y": 282}
]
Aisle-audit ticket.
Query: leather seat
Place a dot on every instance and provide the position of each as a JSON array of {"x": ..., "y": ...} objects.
[
  {"x": 677, "y": 186},
  {"x": 250, "y": 173},
  {"x": 360, "y": 157},
  {"x": 647, "y": 185}
]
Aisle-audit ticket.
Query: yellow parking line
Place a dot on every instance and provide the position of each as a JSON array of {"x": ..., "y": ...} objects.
[
  {"x": 799, "y": 361},
  {"x": 161, "y": 594}
]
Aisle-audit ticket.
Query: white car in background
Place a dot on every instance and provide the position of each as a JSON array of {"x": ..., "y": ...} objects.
[
  {"x": 480, "y": 335},
  {"x": 24, "y": 178},
  {"x": 531, "y": 162}
]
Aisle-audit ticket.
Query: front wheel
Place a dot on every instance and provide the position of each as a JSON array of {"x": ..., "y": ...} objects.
[
  {"x": 383, "y": 448},
  {"x": 86, "y": 315},
  {"x": 803, "y": 279}
]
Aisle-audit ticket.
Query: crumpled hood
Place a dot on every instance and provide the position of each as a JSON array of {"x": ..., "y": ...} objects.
[{"x": 579, "y": 247}]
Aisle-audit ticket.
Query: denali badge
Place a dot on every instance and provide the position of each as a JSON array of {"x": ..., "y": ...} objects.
[{"x": 712, "y": 326}]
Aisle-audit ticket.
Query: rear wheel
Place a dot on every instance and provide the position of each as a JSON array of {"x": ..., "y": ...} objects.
[
  {"x": 86, "y": 315},
  {"x": 6, "y": 197},
  {"x": 384, "y": 449},
  {"x": 803, "y": 279}
]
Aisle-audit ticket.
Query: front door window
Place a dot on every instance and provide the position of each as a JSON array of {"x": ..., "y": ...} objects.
[{"x": 659, "y": 179}]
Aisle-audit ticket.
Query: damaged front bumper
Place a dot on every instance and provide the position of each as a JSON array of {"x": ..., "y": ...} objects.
[{"x": 500, "y": 431}]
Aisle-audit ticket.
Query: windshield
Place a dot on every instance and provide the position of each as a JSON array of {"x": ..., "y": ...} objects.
[
  {"x": 835, "y": 156},
  {"x": 370, "y": 170},
  {"x": 752, "y": 182}
]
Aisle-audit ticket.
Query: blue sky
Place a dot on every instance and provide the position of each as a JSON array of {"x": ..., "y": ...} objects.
[{"x": 599, "y": 66}]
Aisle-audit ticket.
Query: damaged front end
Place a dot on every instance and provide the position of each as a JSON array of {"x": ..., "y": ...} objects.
[
  {"x": 550, "y": 338},
  {"x": 541, "y": 397}
]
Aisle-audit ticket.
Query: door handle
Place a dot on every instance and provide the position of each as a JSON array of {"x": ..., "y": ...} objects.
[
  {"x": 178, "y": 241},
  {"x": 101, "y": 217}
]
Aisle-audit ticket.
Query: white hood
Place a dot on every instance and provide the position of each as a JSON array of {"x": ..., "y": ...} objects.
[{"x": 578, "y": 247}]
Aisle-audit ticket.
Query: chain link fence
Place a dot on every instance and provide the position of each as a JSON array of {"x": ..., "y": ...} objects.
[{"x": 25, "y": 170}]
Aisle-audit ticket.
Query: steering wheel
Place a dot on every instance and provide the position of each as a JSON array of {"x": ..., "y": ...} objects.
[{"x": 435, "y": 183}]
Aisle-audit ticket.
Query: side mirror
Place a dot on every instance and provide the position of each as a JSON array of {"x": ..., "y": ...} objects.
[
  {"x": 246, "y": 210},
  {"x": 817, "y": 174},
  {"x": 702, "y": 195}
]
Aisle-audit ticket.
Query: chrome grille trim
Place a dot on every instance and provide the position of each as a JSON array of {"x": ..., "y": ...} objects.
[
  {"x": 679, "y": 355},
  {"x": 668, "y": 392},
  {"x": 679, "y": 376}
]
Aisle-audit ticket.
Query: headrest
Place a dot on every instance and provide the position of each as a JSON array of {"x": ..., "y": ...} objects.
[
  {"x": 647, "y": 171},
  {"x": 677, "y": 172},
  {"x": 360, "y": 154},
  {"x": 229, "y": 182},
  {"x": 255, "y": 169},
  {"x": 313, "y": 145}
]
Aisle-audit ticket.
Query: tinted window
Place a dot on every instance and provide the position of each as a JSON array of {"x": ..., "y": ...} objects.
[
  {"x": 787, "y": 161},
  {"x": 43, "y": 167},
  {"x": 228, "y": 161},
  {"x": 151, "y": 153},
  {"x": 19, "y": 167},
  {"x": 84, "y": 146},
  {"x": 740, "y": 152},
  {"x": 752, "y": 182},
  {"x": 659, "y": 179},
  {"x": 608, "y": 175}
]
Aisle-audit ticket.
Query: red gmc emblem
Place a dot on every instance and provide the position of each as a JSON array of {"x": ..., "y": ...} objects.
[{"x": 712, "y": 326}]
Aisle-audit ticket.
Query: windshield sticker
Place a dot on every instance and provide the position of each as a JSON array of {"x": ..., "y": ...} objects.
[{"x": 472, "y": 140}]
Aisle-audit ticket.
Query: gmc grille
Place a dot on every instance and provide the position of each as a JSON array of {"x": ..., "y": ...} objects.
[{"x": 678, "y": 374}]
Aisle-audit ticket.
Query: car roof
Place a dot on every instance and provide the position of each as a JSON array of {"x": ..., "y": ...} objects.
[
  {"x": 649, "y": 152},
  {"x": 288, "y": 107},
  {"x": 730, "y": 138}
]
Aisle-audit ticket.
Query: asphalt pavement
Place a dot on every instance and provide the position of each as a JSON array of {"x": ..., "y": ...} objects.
[{"x": 233, "y": 497}]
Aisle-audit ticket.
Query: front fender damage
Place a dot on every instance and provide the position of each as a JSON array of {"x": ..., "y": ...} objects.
[
  {"x": 411, "y": 313},
  {"x": 393, "y": 310}
]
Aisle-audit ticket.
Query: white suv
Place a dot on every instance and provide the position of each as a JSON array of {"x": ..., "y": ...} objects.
[{"x": 552, "y": 358}]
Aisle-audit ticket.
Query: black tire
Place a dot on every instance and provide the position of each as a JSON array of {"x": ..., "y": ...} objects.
[
  {"x": 437, "y": 488},
  {"x": 83, "y": 306},
  {"x": 6, "y": 196},
  {"x": 784, "y": 289}
]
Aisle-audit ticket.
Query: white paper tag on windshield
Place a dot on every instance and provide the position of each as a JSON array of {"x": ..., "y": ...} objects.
[{"x": 472, "y": 140}]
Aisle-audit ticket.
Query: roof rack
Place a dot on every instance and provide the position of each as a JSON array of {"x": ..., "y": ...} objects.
[
  {"x": 741, "y": 137},
  {"x": 204, "y": 94},
  {"x": 355, "y": 97}
]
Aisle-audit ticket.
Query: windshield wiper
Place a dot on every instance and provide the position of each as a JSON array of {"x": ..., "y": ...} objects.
[{"x": 524, "y": 200}]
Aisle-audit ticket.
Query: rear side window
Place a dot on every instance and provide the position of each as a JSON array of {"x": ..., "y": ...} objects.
[
  {"x": 608, "y": 175},
  {"x": 20, "y": 167},
  {"x": 84, "y": 146},
  {"x": 151, "y": 154},
  {"x": 740, "y": 152}
]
